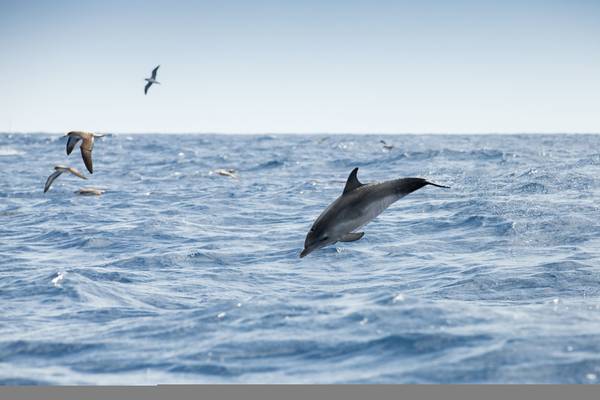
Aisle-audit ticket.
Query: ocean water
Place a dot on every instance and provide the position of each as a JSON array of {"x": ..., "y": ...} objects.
[{"x": 180, "y": 275}]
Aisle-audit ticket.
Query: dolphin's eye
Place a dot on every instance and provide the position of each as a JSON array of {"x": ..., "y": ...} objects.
[{"x": 324, "y": 238}]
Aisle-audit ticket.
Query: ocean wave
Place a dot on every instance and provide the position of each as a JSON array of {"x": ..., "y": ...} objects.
[{"x": 176, "y": 275}]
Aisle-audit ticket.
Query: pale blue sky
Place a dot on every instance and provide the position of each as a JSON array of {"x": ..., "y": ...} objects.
[{"x": 301, "y": 66}]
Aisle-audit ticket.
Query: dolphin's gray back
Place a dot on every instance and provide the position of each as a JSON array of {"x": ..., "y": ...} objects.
[
  {"x": 361, "y": 205},
  {"x": 404, "y": 186},
  {"x": 396, "y": 188},
  {"x": 376, "y": 197}
]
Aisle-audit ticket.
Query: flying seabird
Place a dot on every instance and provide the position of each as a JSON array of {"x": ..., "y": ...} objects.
[
  {"x": 151, "y": 80},
  {"x": 386, "y": 146},
  {"x": 86, "y": 147},
  {"x": 59, "y": 169}
]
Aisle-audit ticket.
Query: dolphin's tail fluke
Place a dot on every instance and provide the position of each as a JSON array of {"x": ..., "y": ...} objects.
[
  {"x": 435, "y": 184},
  {"x": 405, "y": 186}
]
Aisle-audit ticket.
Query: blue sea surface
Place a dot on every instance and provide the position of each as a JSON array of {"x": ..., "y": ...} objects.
[{"x": 180, "y": 275}]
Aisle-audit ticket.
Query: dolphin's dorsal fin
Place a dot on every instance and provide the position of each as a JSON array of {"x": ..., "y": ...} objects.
[{"x": 352, "y": 182}]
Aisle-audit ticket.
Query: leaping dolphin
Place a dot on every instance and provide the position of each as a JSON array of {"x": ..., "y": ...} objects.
[{"x": 358, "y": 205}]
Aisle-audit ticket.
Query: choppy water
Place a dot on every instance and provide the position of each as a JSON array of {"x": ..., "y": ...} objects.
[{"x": 177, "y": 275}]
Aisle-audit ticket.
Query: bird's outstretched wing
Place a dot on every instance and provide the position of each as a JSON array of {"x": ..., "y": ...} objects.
[
  {"x": 147, "y": 87},
  {"x": 51, "y": 179},
  {"x": 154, "y": 72},
  {"x": 87, "y": 159},
  {"x": 76, "y": 173},
  {"x": 71, "y": 143},
  {"x": 86, "y": 153}
]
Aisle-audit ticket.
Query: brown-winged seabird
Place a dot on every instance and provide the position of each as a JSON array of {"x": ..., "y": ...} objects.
[
  {"x": 58, "y": 170},
  {"x": 90, "y": 192},
  {"x": 87, "y": 144}
]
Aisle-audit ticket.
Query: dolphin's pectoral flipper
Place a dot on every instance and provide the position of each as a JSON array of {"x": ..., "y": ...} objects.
[
  {"x": 352, "y": 182},
  {"x": 352, "y": 236}
]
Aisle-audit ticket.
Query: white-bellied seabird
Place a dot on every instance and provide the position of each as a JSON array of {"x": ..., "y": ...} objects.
[{"x": 151, "y": 80}]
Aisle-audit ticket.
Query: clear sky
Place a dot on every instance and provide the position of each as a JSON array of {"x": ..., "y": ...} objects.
[{"x": 300, "y": 66}]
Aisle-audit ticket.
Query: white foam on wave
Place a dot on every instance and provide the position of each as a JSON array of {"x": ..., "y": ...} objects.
[
  {"x": 58, "y": 279},
  {"x": 398, "y": 298},
  {"x": 9, "y": 151},
  {"x": 591, "y": 376}
]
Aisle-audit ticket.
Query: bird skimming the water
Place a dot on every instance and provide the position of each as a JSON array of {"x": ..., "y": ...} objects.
[
  {"x": 86, "y": 147},
  {"x": 385, "y": 145},
  {"x": 151, "y": 80},
  {"x": 226, "y": 172},
  {"x": 90, "y": 192},
  {"x": 58, "y": 170}
]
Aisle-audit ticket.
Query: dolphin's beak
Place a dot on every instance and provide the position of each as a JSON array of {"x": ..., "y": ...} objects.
[{"x": 305, "y": 252}]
